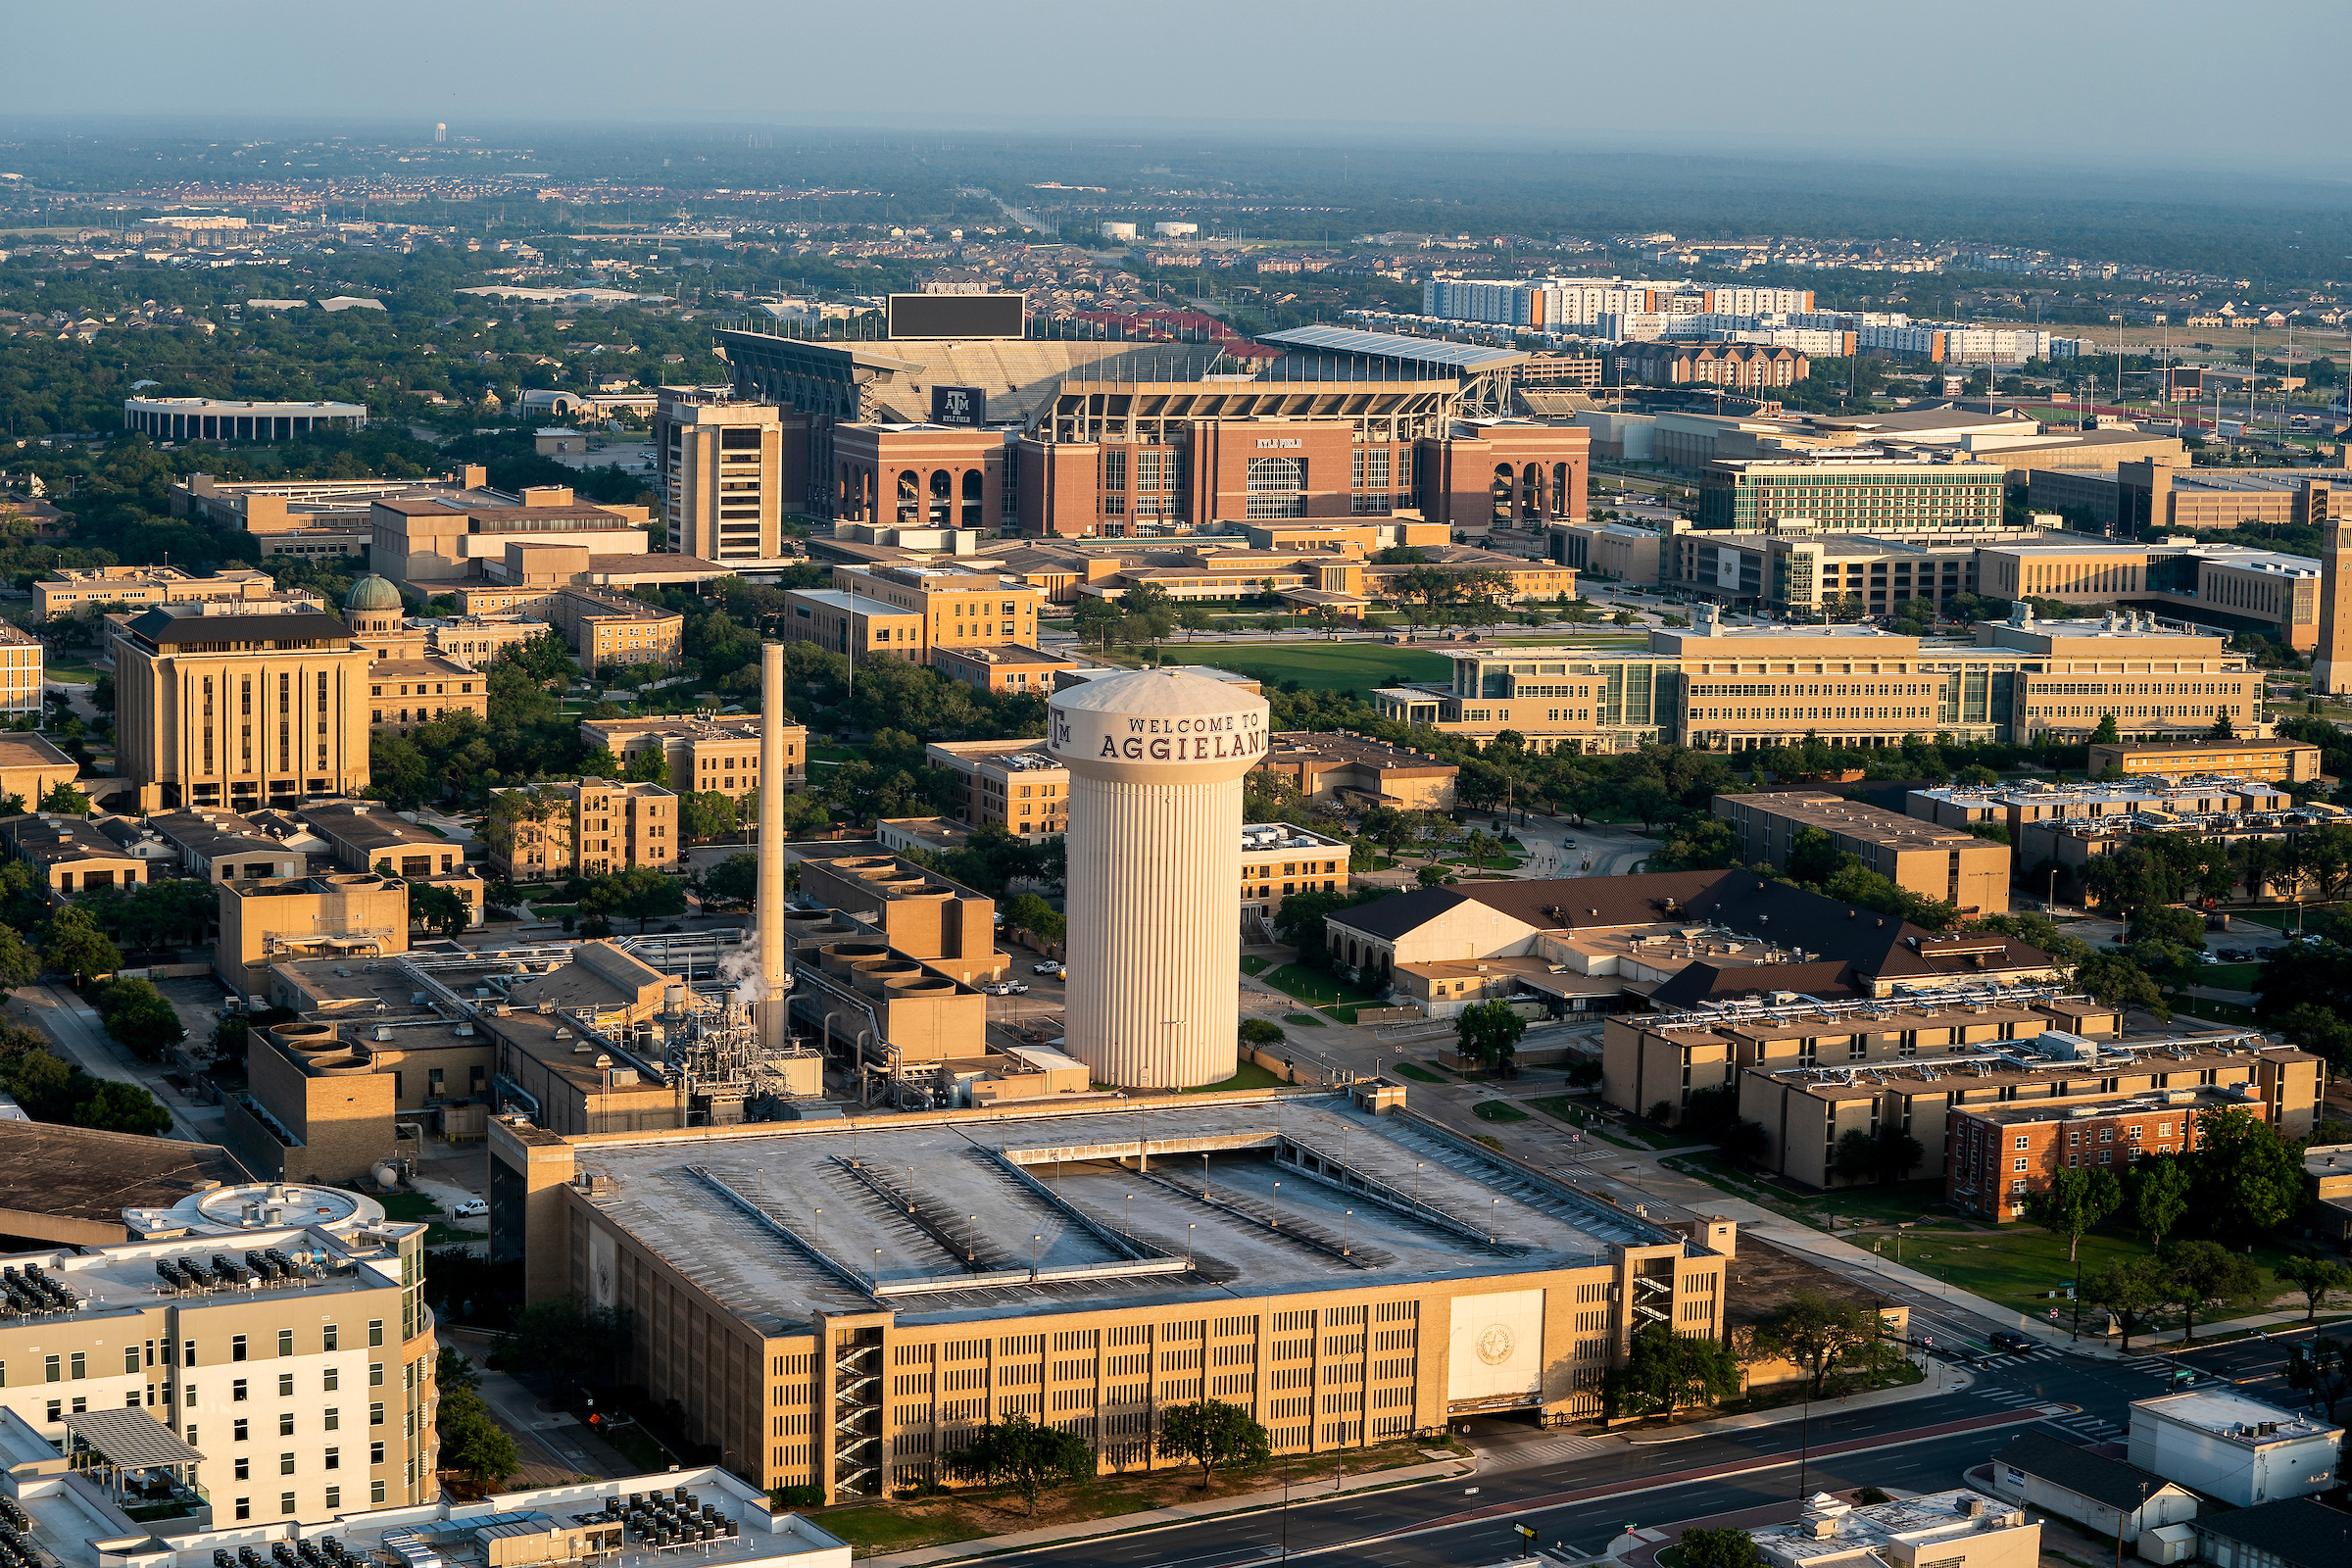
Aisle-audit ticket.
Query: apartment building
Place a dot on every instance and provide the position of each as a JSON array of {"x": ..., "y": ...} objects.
[
  {"x": 1279, "y": 859},
  {"x": 1013, "y": 783},
  {"x": 2063, "y": 828},
  {"x": 1951, "y": 866},
  {"x": 1738, "y": 366},
  {"x": 725, "y": 479},
  {"x": 2284, "y": 761},
  {"x": 22, "y": 671},
  {"x": 1999, "y": 1155},
  {"x": 239, "y": 704},
  {"x": 85, "y": 591},
  {"x": 594, "y": 827},
  {"x": 705, "y": 755},
  {"x": 282, "y": 1365}
]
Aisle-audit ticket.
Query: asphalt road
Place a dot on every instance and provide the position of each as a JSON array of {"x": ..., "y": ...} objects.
[{"x": 1583, "y": 1492}]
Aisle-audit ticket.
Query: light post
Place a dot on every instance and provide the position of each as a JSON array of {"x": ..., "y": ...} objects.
[
  {"x": 1274, "y": 1210},
  {"x": 1188, "y": 1246},
  {"x": 1491, "y": 1203},
  {"x": 1346, "y": 1217},
  {"x": 971, "y": 1231},
  {"x": 1035, "y": 1242}
]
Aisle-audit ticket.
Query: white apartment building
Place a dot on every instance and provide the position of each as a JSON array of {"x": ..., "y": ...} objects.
[
  {"x": 20, "y": 671},
  {"x": 296, "y": 1363}
]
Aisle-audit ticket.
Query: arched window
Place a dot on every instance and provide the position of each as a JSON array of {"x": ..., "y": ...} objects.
[{"x": 1277, "y": 487}]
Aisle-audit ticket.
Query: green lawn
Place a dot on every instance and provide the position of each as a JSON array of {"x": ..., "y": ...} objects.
[
  {"x": 1497, "y": 1111},
  {"x": 1253, "y": 965},
  {"x": 1326, "y": 667},
  {"x": 1901, "y": 1204},
  {"x": 1575, "y": 1112},
  {"x": 1420, "y": 1074},
  {"x": 1251, "y": 1076},
  {"x": 1315, "y": 986},
  {"x": 1306, "y": 1018},
  {"x": 2018, "y": 1264},
  {"x": 2227, "y": 976}
]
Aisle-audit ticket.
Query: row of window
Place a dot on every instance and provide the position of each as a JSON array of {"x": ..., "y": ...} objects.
[{"x": 243, "y": 1507}]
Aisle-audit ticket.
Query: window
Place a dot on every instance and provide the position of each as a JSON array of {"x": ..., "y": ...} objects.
[
  {"x": 2018, "y": 1166},
  {"x": 375, "y": 1374},
  {"x": 236, "y": 1392},
  {"x": 376, "y": 1414},
  {"x": 334, "y": 1498},
  {"x": 285, "y": 1464},
  {"x": 285, "y": 1499},
  {"x": 57, "y": 1409},
  {"x": 286, "y": 1385},
  {"x": 237, "y": 1429},
  {"x": 191, "y": 1398},
  {"x": 244, "y": 1469},
  {"x": 375, "y": 1453},
  {"x": 187, "y": 1353},
  {"x": 334, "y": 1418},
  {"x": 334, "y": 1458},
  {"x": 130, "y": 1358},
  {"x": 191, "y": 1433},
  {"x": 327, "y": 1338},
  {"x": 286, "y": 1342},
  {"x": 2024, "y": 1143},
  {"x": 244, "y": 1507},
  {"x": 333, "y": 1378},
  {"x": 80, "y": 1365},
  {"x": 285, "y": 1423},
  {"x": 236, "y": 1347},
  {"x": 375, "y": 1491},
  {"x": 375, "y": 1330},
  {"x": 52, "y": 1365}
]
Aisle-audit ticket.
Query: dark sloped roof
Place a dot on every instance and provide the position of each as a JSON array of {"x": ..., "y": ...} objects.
[
  {"x": 1569, "y": 902},
  {"x": 300, "y": 626},
  {"x": 2102, "y": 1480},
  {"x": 2297, "y": 1531},
  {"x": 1393, "y": 916},
  {"x": 1709, "y": 982}
]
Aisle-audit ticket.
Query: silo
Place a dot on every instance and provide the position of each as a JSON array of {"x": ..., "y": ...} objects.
[{"x": 1154, "y": 847}]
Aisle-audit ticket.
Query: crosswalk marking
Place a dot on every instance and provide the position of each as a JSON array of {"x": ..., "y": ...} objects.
[{"x": 1557, "y": 1450}]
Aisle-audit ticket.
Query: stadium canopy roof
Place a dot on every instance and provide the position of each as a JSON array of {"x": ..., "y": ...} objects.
[{"x": 1468, "y": 359}]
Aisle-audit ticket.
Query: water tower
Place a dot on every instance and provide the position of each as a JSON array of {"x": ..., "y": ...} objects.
[{"x": 1154, "y": 844}]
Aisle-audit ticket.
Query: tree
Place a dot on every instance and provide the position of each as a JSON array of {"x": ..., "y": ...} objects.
[
  {"x": 640, "y": 892},
  {"x": 72, "y": 944},
  {"x": 1192, "y": 618},
  {"x": 1215, "y": 1436},
  {"x": 1489, "y": 1034},
  {"x": 17, "y": 965},
  {"x": 1815, "y": 1333},
  {"x": 2222, "y": 730},
  {"x": 1727, "y": 1548},
  {"x": 1026, "y": 912},
  {"x": 709, "y": 814},
  {"x": 648, "y": 766},
  {"x": 1097, "y": 620},
  {"x": 2113, "y": 981},
  {"x": 2106, "y": 734},
  {"x": 1812, "y": 857},
  {"x": 2247, "y": 1178},
  {"x": 2199, "y": 1274},
  {"x": 438, "y": 909},
  {"x": 1664, "y": 1371},
  {"x": 2314, "y": 1277},
  {"x": 2323, "y": 1371},
  {"x": 567, "y": 1341},
  {"x": 138, "y": 1016},
  {"x": 2073, "y": 1201},
  {"x": 1032, "y": 1459},
  {"x": 64, "y": 799},
  {"x": 2132, "y": 1288},
  {"x": 2157, "y": 1188},
  {"x": 1855, "y": 1157},
  {"x": 735, "y": 879},
  {"x": 119, "y": 1108}
]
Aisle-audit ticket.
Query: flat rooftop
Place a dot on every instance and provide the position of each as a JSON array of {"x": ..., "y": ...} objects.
[
  {"x": 2234, "y": 1416},
  {"x": 970, "y": 1219},
  {"x": 1853, "y": 819},
  {"x": 80, "y": 1177}
]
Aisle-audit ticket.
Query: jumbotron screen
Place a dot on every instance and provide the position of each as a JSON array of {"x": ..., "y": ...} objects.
[{"x": 942, "y": 316}]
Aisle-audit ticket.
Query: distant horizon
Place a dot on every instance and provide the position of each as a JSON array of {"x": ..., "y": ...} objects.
[{"x": 2016, "y": 87}]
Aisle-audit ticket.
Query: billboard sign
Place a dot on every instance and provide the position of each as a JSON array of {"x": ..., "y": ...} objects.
[
  {"x": 921, "y": 316},
  {"x": 959, "y": 405}
]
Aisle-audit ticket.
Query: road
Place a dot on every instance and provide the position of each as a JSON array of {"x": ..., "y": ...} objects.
[{"x": 1583, "y": 1492}]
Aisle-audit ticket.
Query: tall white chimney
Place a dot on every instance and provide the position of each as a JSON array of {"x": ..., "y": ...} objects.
[{"x": 772, "y": 1009}]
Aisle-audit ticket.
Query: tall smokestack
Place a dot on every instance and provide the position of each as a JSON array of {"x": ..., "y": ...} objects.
[{"x": 773, "y": 1005}]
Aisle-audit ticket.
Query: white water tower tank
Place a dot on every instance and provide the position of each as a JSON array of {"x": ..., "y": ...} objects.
[{"x": 1156, "y": 759}]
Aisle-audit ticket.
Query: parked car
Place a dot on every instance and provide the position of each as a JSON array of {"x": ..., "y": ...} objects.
[
  {"x": 1052, "y": 966},
  {"x": 2010, "y": 1342},
  {"x": 472, "y": 1208},
  {"x": 1014, "y": 988},
  {"x": 2266, "y": 953}
]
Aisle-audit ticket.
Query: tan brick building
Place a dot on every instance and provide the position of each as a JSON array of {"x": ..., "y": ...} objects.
[
  {"x": 2282, "y": 760},
  {"x": 705, "y": 755},
  {"x": 1344, "y": 768},
  {"x": 344, "y": 915},
  {"x": 1947, "y": 865},
  {"x": 1003, "y": 668},
  {"x": 1010, "y": 782},
  {"x": 594, "y": 827},
  {"x": 83, "y": 591}
]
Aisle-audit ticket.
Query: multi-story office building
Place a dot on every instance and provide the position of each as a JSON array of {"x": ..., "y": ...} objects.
[
  {"x": 2231, "y": 586},
  {"x": 1864, "y": 490},
  {"x": 705, "y": 755},
  {"x": 724, "y": 476},
  {"x": 907, "y": 610},
  {"x": 217, "y": 419},
  {"x": 595, "y": 828},
  {"x": 1951, "y": 866},
  {"x": 1486, "y": 1290},
  {"x": 85, "y": 591},
  {"x": 284, "y": 1360},
  {"x": 1013, "y": 783},
  {"x": 2276, "y": 761},
  {"x": 264, "y": 705},
  {"x": 1752, "y": 687},
  {"x": 2163, "y": 493},
  {"x": 317, "y": 516},
  {"x": 436, "y": 544}
]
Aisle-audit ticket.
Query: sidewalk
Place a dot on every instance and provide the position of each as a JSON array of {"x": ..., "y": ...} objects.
[
  {"x": 1940, "y": 1382},
  {"x": 1160, "y": 1518}
]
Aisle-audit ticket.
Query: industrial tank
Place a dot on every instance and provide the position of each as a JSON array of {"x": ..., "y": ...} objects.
[{"x": 1154, "y": 847}]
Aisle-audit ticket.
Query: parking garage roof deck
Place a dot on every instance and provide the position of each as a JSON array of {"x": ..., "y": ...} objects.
[{"x": 1017, "y": 1215}]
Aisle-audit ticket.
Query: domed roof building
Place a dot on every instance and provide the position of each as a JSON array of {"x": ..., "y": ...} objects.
[{"x": 379, "y": 616}]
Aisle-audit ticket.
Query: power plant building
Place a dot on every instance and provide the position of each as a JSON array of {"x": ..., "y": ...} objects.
[{"x": 1155, "y": 760}]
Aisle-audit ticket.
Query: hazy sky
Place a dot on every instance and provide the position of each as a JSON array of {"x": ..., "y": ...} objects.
[{"x": 2159, "y": 84}]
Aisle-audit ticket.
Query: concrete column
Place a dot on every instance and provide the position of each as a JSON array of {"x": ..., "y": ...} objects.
[{"x": 773, "y": 1023}]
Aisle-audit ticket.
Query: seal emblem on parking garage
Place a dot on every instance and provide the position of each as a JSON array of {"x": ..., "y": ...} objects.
[{"x": 1496, "y": 1344}]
